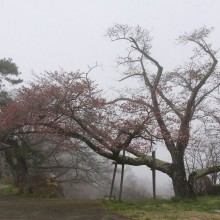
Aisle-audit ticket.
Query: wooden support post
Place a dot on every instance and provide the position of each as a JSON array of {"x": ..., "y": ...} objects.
[
  {"x": 122, "y": 177},
  {"x": 154, "y": 174},
  {"x": 113, "y": 181}
]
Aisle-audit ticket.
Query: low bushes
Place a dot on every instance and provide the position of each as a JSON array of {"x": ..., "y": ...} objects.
[{"x": 215, "y": 190}]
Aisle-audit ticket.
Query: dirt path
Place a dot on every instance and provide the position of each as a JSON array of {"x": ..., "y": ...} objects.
[{"x": 16, "y": 208}]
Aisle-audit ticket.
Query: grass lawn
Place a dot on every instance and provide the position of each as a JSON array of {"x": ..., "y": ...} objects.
[{"x": 199, "y": 208}]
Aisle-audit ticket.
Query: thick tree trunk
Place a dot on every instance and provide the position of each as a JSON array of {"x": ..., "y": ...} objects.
[
  {"x": 182, "y": 187},
  {"x": 19, "y": 169}
]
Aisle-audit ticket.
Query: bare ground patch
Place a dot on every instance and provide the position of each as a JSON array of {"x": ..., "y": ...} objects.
[{"x": 16, "y": 208}]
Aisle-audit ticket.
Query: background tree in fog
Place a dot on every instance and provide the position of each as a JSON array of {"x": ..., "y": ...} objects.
[
  {"x": 8, "y": 75},
  {"x": 204, "y": 152}
]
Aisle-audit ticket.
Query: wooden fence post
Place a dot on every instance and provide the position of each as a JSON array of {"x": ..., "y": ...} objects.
[
  {"x": 113, "y": 181},
  {"x": 122, "y": 177},
  {"x": 154, "y": 174}
]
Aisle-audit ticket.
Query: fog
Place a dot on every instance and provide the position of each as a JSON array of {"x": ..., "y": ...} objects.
[
  {"x": 49, "y": 35},
  {"x": 137, "y": 185}
]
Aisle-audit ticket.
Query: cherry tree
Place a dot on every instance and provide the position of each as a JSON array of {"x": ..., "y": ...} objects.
[
  {"x": 165, "y": 109},
  {"x": 176, "y": 98}
]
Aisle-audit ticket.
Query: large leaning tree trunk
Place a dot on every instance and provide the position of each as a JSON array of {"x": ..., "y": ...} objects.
[{"x": 164, "y": 110}]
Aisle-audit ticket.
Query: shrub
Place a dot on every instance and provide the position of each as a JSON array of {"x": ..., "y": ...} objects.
[
  {"x": 215, "y": 190},
  {"x": 10, "y": 191},
  {"x": 202, "y": 186},
  {"x": 6, "y": 180}
]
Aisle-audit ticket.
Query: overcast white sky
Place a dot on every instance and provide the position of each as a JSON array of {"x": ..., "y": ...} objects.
[{"x": 47, "y": 35}]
